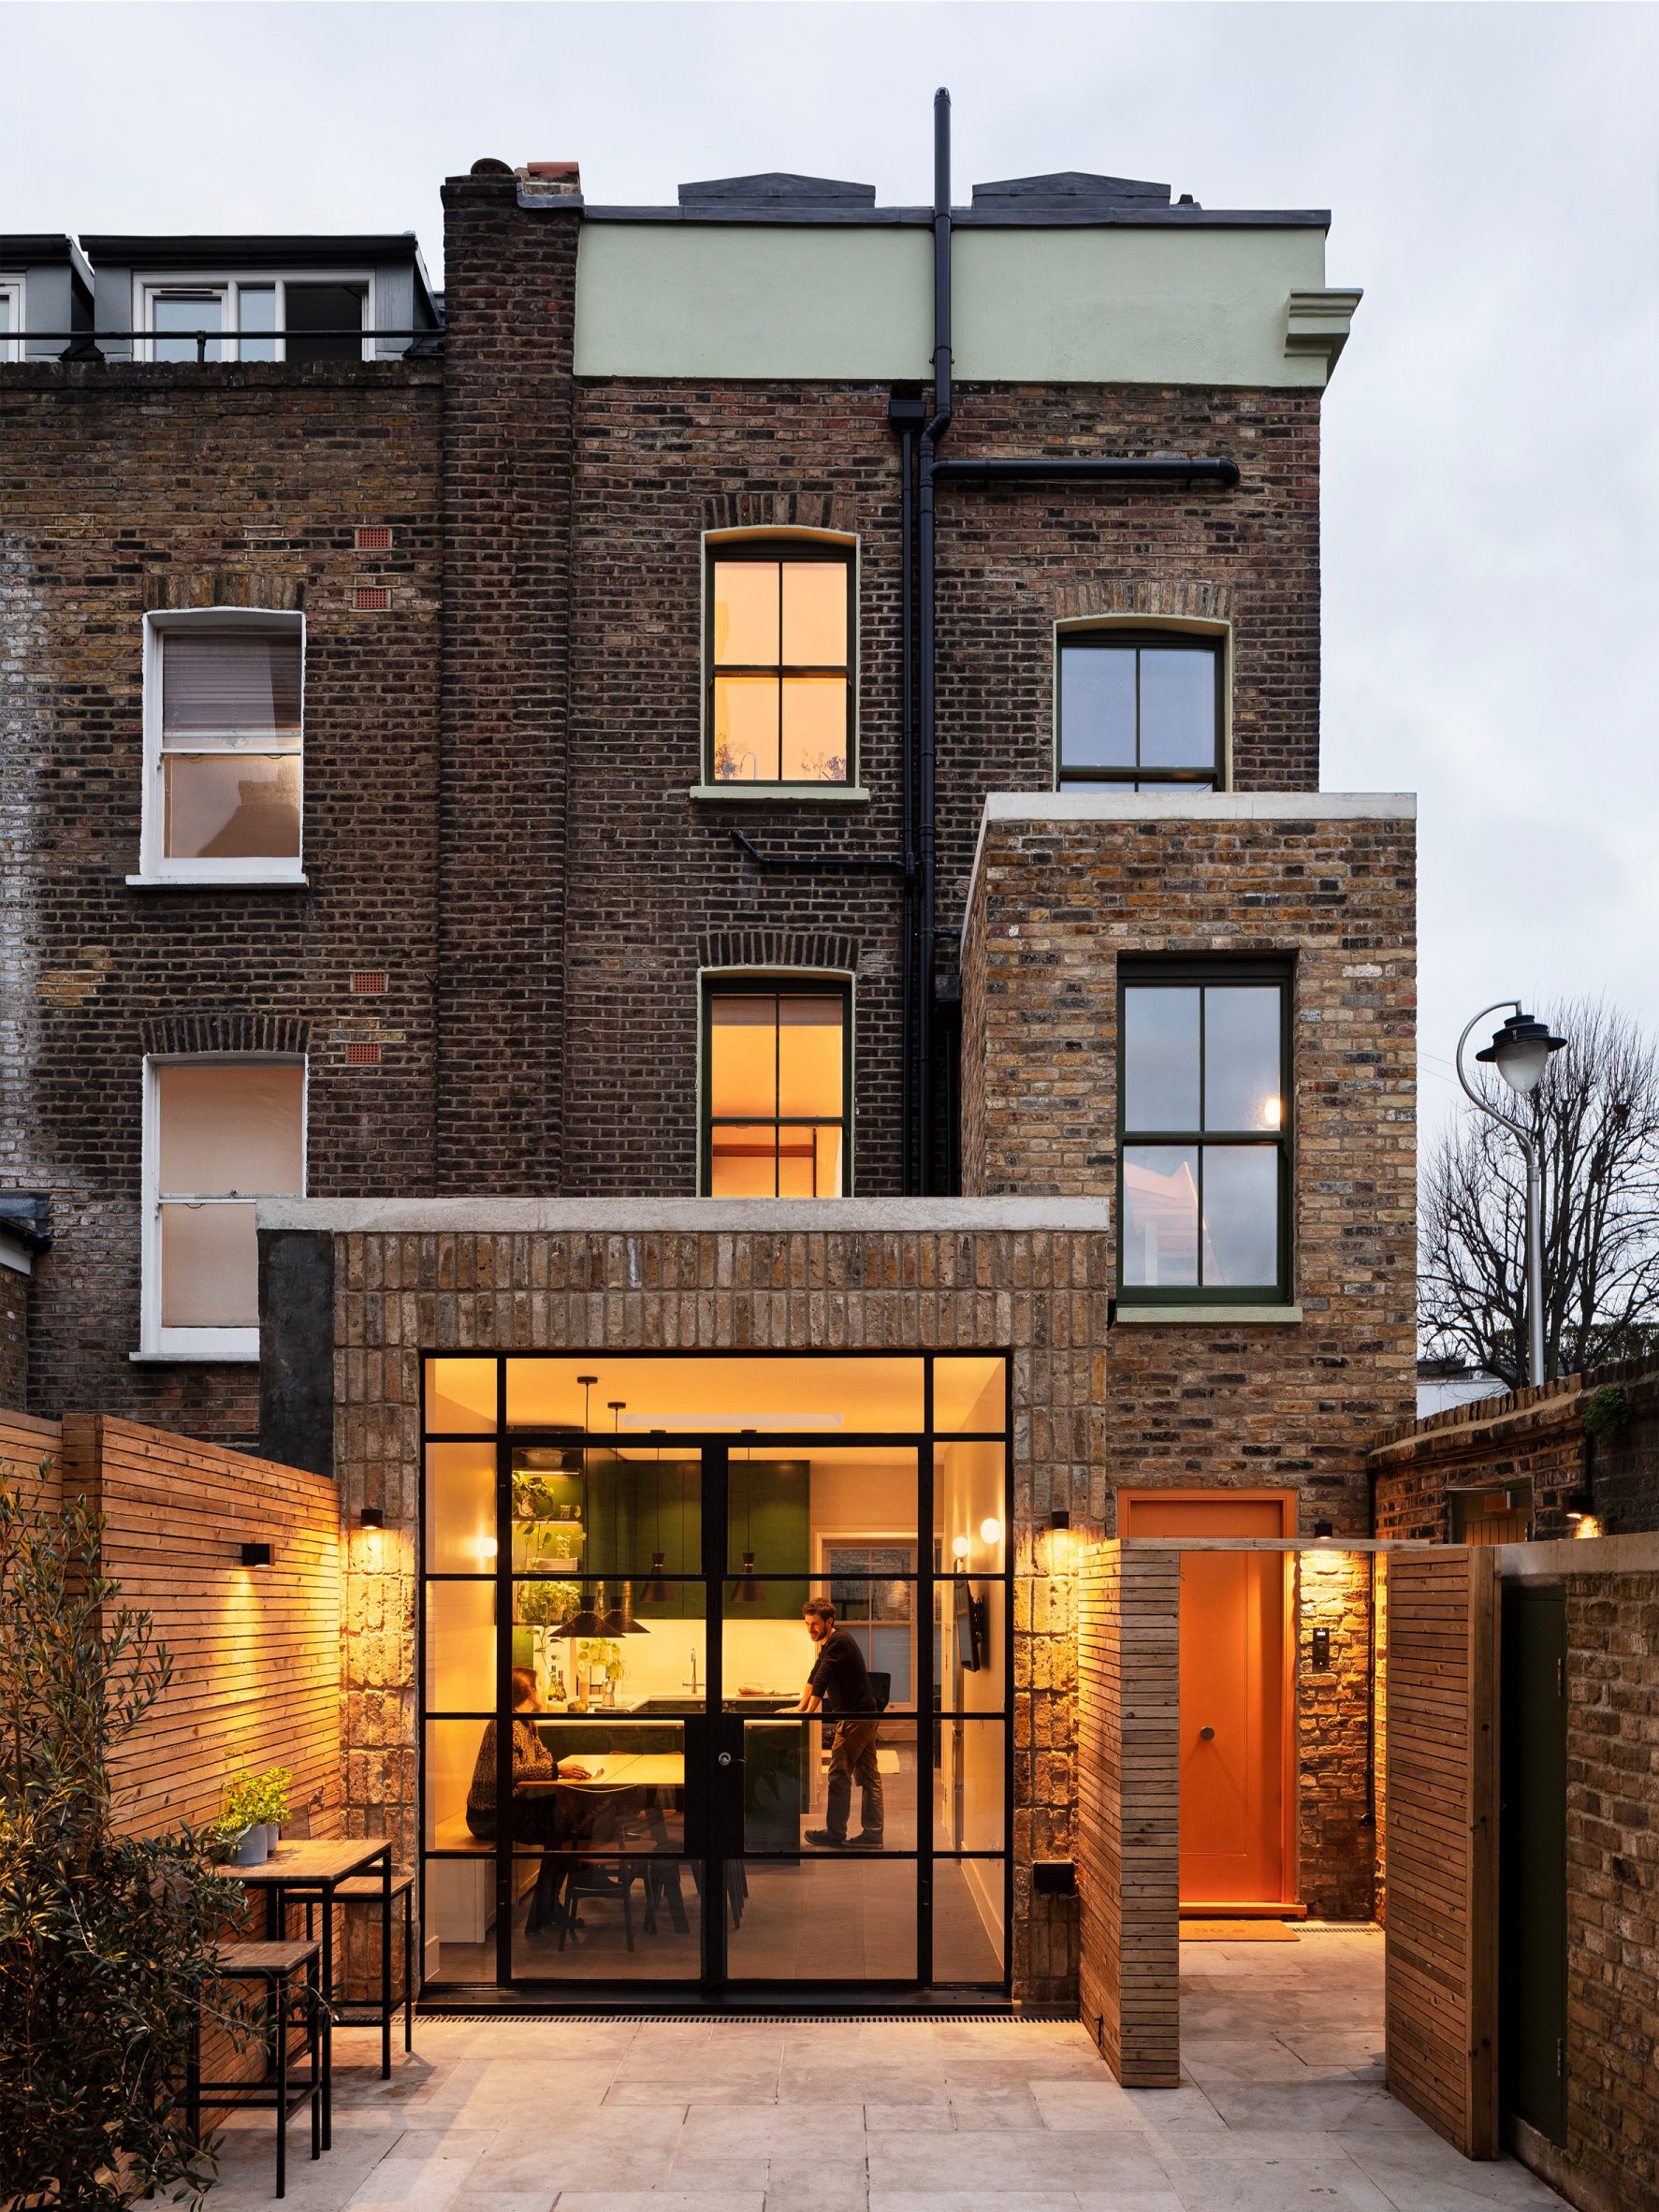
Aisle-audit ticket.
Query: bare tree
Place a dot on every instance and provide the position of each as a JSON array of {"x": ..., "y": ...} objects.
[{"x": 1596, "y": 1115}]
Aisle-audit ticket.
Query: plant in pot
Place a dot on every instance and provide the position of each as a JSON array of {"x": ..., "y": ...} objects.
[
  {"x": 107, "y": 1941},
  {"x": 541, "y": 1606}
]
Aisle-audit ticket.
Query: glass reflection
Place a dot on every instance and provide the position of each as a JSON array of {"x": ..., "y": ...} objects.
[
  {"x": 1160, "y": 1058},
  {"x": 969, "y": 1783},
  {"x": 1098, "y": 707},
  {"x": 460, "y": 1510},
  {"x": 1240, "y": 1214},
  {"x": 1160, "y": 1215},
  {"x": 602, "y": 1911},
  {"x": 1177, "y": 707},
  {"x": 1242, "y": 1056},
  {"x": 967, "y": 1920}
]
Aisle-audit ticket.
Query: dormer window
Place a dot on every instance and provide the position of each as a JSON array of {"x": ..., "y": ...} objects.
[{"x": 263, "y": 318}]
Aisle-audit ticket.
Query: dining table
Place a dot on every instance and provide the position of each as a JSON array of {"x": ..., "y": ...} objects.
[{"x": 308, "y": 1870}]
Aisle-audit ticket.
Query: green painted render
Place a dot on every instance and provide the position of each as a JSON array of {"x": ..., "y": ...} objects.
[
  {"x": 767, "y": 299},
  {"x": 1082, "y": 305}
]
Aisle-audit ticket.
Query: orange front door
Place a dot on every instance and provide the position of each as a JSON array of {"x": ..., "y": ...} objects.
[{"x": 1232, "y": 1695}]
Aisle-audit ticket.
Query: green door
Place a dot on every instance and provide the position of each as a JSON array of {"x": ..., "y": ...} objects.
[{"x": 1533, "y": 1847}]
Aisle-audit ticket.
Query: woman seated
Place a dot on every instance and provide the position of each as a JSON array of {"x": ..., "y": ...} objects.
[{"x": 531, "y": 1762}]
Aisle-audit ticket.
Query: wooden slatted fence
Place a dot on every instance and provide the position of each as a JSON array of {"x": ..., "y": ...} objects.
[
  {"x": 1441, "y": 1979},
  {"x": 1129, "y": 1809}
]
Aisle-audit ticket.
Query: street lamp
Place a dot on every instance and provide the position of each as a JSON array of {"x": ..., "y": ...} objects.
[{"x": 1520, "y": 1051}]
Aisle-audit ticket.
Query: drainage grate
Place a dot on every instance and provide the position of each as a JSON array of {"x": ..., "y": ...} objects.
[{"x": 518, "y": 2018}]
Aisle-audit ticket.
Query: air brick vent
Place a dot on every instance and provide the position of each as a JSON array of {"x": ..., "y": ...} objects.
[
  {"x": 362, "y": 1055},
  {"x": 372, "y": 537},
  {"x": 368, "y": 982},
  {"x": 372, "y": 598}
]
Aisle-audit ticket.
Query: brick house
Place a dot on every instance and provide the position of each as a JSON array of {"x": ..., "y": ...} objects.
[{"x": 715, "y": 841}]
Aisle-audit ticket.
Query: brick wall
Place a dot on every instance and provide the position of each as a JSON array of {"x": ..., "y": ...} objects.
[
  {"x": 1292, "y": 1404},
  {"x": 1530, "y": 1435},
  {"x": 1128, "y": 1648},
  {"x": 134, "y": 488},
  {"x": 1613, "y": 1823}
]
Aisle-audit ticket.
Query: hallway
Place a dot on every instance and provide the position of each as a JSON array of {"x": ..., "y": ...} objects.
[{"x": 1282, "y": 2106}]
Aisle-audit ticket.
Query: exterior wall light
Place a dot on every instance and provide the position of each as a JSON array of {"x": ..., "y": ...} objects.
[
  {"x": 256, "y": 1554},
  {"x": 371, "y": 1517},
  {"x": 1059, "y": 1518},
  {"x": 1323, "y": 1532}
]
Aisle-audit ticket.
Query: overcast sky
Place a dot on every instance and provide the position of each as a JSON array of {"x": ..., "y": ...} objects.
[{"x": 1492, "y": 466}]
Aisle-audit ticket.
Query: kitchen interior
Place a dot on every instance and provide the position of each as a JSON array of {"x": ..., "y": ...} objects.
[{"x": 609, "y": 1622}]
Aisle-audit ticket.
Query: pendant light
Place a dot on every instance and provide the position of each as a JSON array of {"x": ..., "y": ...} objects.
[
  {"x": 745, "y": 1591},
  {"x": 656, "y": 1591},
  {"x": 585, "y": 1621},
  {"x": 620, "y": 1621}
]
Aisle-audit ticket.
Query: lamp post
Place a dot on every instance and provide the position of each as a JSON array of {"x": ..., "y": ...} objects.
[{"x": 1520, "y": 1051}]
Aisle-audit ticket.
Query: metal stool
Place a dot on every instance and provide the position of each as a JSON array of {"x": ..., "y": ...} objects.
[
  {"x": 365, "y": 1889},
  {"x": 275, "y": 1966}
]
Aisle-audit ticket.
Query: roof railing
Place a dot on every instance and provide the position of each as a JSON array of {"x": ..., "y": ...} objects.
[{"x": 76, "y": 339}]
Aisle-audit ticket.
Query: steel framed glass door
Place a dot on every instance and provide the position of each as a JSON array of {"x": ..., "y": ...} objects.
[{"x": 620, "y": 1603}]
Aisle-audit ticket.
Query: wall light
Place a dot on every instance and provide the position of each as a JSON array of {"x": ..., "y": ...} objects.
[
  {"x": 1059, "y": 1518},
  {"x": 1323, "y": 1532},
  {"x": 991, "y": 1531},
  {"x": 487, "y": 1547},
  {"x": 255, "y": 1556},
  {"x": 960, "y": 1546},
  {"x": 371, "y": 1517}
]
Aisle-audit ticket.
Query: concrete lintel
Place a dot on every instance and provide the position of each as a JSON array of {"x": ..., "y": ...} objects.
[
  {"x": 1056, "y": 809},
  {"x": 1205, "y": 1316},
  {"x": 489, "y": 1215},
  {"x": 1548, "y": 1561}
]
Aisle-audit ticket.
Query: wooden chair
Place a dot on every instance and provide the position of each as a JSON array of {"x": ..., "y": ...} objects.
[{"x": 275, "y": 1967}]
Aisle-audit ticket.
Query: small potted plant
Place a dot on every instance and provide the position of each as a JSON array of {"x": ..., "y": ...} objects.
[
  {"x": 239, "y": 1833},
  {"x": 272, "y": 1789}
]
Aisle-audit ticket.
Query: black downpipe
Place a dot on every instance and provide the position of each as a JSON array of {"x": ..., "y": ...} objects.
[
  {"x": 935, "y": 430},
  {"x": 907, "y": 632}
]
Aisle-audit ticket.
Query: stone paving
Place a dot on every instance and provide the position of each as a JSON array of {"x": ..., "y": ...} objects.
[{"x": 1281, "y": 2105}]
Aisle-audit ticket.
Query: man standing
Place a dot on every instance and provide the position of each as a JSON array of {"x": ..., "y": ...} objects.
[{"x": 840, "y": 1686}]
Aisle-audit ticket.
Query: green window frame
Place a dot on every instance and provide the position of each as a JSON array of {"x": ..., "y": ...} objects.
[
  {"x": 794, "y": 684},
  {"x": 806, "y": 1139},
  {"x": 1078, "y": 656},
  {"x": 1197, "y": 1140}
]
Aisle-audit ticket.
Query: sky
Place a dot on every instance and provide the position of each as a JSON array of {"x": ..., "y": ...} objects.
[{"x": 1490, "y": 454}]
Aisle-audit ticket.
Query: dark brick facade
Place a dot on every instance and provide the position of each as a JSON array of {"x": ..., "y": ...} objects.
[
  {"x": 128, "y": 489},
  {"x": 498, "y": 769}
]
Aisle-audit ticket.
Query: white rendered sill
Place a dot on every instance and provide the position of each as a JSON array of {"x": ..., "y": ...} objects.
[
  {"x": 219, "y": 882},
  {"x": 1209, "y": 1317},
  {"x": 811, "y": 795},
  {"x": 193, "y": 1359}
]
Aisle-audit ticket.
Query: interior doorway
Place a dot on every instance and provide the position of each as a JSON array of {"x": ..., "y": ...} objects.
[
  {"x": 617, "y": 1552},
  {"x": 1237, "y": 1786}
]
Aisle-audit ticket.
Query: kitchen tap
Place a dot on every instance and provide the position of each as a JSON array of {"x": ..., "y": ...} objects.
[{"x": 693, "y": 1685}]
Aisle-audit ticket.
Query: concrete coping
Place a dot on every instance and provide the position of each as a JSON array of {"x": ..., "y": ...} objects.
[
  {"x": 1558, "y": 1556},
  {"x": 489, "y": 1215},
  {"x": 1059, "y": 808}
]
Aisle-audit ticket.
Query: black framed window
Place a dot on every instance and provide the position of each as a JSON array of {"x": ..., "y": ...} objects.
[
  {"x": 776, "y": 1079},
  {"x": 779, "y": 622},
  {"x": 1140, "y": 711},
  {"x": 1205, "y": 1141}
]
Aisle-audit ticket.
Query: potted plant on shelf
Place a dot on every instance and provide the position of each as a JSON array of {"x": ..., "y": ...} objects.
[{"x": 541, "y": 1606}]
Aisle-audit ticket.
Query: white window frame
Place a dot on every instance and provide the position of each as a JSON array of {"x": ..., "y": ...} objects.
[
  {"x": 154, "y": 866},
  {"x": 227, "y": 285},
  {"x": 12, "y": 288},
  {"x": 198, "y": 1343}
]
